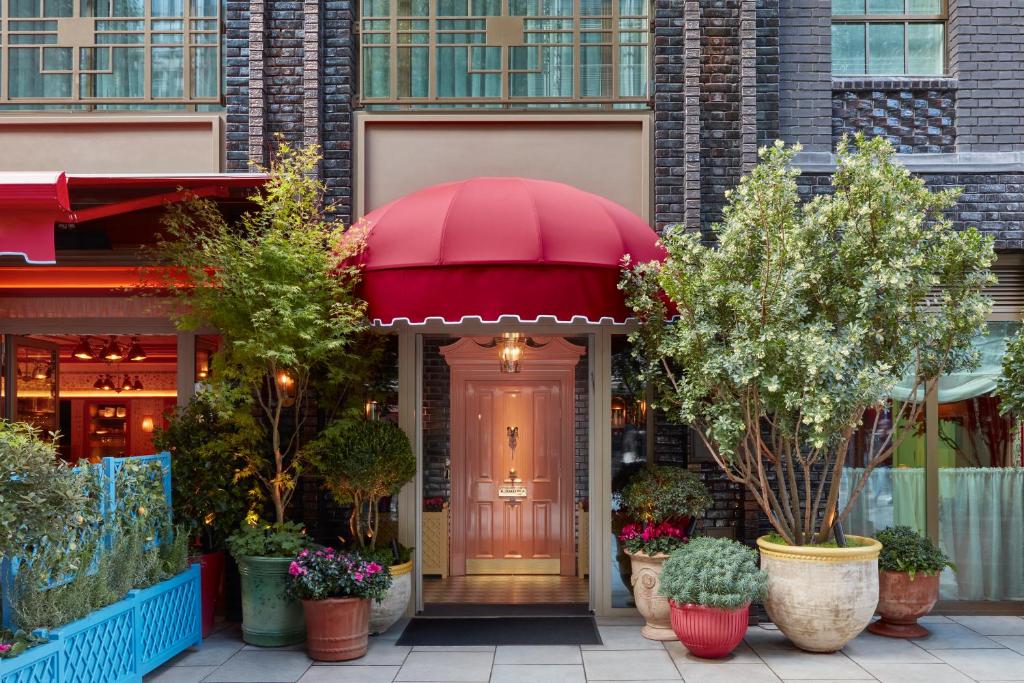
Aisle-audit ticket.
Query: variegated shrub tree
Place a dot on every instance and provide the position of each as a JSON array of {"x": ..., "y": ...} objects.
[{"x": 775, "y": 341}]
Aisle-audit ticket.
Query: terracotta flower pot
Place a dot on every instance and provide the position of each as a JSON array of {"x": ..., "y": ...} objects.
[
  {"x": 902, "y": 601},
  {"x": 653, "y": 608},
  {"x": 821, "y": 597},
  {"x": 337, "y": 629},
  {"x": 709, "y": 632}
]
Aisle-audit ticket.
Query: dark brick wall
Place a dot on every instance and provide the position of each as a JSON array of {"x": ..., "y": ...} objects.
[
  {"x": 767, "y": 71},
  {"x": 236, "y": 77},
  {"x": 283, "y": 70},
  {"x": 915, "y": 115},
  {"x": 719, "y": 105},
  {"x": 339, "y": 86},
  {"x": 805, "y": 73},
  {"x": 986, "y": 55},
  {"x": 669, "y": 113}
]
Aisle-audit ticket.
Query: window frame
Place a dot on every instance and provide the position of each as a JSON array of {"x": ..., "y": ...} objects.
[
  {"x": 505, "y": 101},
  {"x": 904, "y": 19}
]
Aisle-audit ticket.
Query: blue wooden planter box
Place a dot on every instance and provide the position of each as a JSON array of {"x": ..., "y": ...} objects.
[{"x": 119, "y": 643}]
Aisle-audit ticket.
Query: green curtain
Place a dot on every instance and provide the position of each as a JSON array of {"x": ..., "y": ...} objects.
[
  {"x": 981, "y": 527},
  {"x": 891, "y": 496}
]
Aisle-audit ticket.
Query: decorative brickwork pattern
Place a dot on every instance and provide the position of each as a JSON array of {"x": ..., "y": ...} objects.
[
  {"x": 913, "y": 116},
  {"x": 256, "y": 142},
  {"x": 692, "y": 114},
  {"x": 748, "y": 85},
  {"x": 311, "y": 72}
]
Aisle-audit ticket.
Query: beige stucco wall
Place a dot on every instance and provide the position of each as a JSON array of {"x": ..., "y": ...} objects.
[
  {"x": 131, "y": 143},
  {"x": 606, "y": 154}
]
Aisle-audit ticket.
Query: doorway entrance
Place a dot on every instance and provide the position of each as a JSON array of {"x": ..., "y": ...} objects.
[{"x": 514, "y": 522}]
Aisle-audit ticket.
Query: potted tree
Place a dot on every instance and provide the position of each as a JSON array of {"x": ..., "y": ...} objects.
[
  {"x": 662, "y": 504},
  {"x": 774, "y": 343},
  {"x": 336, "y": 589},
  {"x": 277, "y": 285},
  {"x": 210, "y": 497},
  {"x": 908, "y": 582},
  {"x": 363, "y": 462},
  {"x": 710, "y": 583}
]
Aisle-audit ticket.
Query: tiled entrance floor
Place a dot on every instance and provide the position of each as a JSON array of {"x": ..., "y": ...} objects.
[
  {"x": 505, "y": 589},
  {"x": 960, "y": 650}
]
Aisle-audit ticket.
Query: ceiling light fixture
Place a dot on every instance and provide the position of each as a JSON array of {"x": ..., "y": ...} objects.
[{"x": 83, "y": 350}]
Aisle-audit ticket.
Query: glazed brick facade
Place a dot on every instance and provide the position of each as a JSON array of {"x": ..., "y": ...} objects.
[{"x": 915, "y": 116}]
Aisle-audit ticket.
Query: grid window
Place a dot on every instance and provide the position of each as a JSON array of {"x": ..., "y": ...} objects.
[
  {"x": 504, "y": 53},
  {"x": 888, "y": 37}
]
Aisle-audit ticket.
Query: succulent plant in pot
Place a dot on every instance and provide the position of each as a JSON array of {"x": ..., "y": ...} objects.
[
  {"x": 710, "y": 583},
  {"x": 662, "y": 503},
  {"x": 908, "y": 581}
]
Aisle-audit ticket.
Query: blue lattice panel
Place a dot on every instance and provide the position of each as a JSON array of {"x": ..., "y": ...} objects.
[
  {"x": 100, "y": 647},
  {"x": 40, "y": 664},
  {"x": 168, "y": 616}
]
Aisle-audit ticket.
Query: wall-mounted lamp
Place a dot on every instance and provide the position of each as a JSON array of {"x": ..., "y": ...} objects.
[
  {"x": 147, "y": 423},
  {"x": 202, "y": 364},
  {"x": 286, "y": 388},
  {"x": 511, "y": 347},
  {"x": 371, "y": 410}
]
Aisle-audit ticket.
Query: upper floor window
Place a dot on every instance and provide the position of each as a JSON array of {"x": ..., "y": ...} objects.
[
  {"x": 504, "y": 53},
  {"x": 888, "y": 37},
  {"x": 110, "y": 54}
]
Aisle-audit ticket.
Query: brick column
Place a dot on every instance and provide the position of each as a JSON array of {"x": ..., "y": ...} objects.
[{"x": 256, "y": 91}]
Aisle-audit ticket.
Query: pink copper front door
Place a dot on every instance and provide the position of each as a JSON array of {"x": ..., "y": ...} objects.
[
  {"x": 505, "y": 535},
  {"x": 535, "y": 532}
]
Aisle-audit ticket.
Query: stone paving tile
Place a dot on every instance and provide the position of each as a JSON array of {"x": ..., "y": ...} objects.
[
  {"x": 453, "y": 648},
  {"x": 623, "y": 638},
  {"x": 379, "y": 653},
  {"x": 624, "y": 665},
  {"x": 795, "y": 664},
  {"x": 993, "y": 625},
  {"x": 180, "y": 674},
  {"x": 953, "y": 637},
  {"x": 901, "y": 672},
  {"x": 213, "y": 652},
  {"x": 868, "y": 647},
  {"x": 249, "y": 666},
  {"x": 985, "y": 665},
  {"x": 449, "y": 667},
  {"x": 538, "y": 673},
  {"x": 741, "y": 655},
  {"x": 1015, "y": 643},
  {"x": 762, "y": 639},
  {"x": 708, "y": 671},
  {"x": 350, "y": 674},
  {"x": 538, "y": 654}
]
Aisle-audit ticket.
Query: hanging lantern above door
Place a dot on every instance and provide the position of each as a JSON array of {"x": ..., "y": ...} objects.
[{"x": 511, "y": 348}]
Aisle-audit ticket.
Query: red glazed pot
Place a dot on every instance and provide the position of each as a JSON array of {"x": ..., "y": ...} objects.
[
  {"x": 211, "y": 571},
  {"x": 337, "y": 629},
  {"x": 901, "y": 602},
  {"x": 709, "y": 632}
]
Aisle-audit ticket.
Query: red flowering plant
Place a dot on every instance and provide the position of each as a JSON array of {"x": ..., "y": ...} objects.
[
  {"x": 435, "y": 504},
  {"x": 327, "y": 573},
  {"x": 661, "y": 503}
]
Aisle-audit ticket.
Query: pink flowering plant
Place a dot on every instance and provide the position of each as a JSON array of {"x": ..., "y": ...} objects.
[
  {"x": 652, "y": 539},
  {"x": 327, "y": 573}
]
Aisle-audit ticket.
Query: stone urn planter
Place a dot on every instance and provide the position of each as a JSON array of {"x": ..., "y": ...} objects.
[
  {"x": 654, "y": 608},
  {"x": 821, "y": 598},
  {"x": 269, "y": 617},
  {"x": 337, "y": 628},
  {"x": 709, "y": 632},
  {"x": 385, "y": 613},
  {"x": 902, "y": 601}
]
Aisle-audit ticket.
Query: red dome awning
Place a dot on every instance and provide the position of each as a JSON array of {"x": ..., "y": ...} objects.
[{"x": 500, "y": 250}]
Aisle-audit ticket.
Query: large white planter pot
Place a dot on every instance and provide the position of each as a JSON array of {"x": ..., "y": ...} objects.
[
  {"x": 821, "y": 598},
  {"x": 385, "y": 613},
  {"x": 653, "y": 608}
]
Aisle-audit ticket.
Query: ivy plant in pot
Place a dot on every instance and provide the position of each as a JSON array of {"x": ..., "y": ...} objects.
[
  {"x": 210, "y": 496},
  {"x": 363, "y": 462},
  {"x": 782, "y": 345},
  {"x": 710, "y": 583},
  {"x": 662, "y": 503},
  {"x": 264, "y": 552},
  {"x": 336, "y": 590},
  {"x": 908, "y": 582}
]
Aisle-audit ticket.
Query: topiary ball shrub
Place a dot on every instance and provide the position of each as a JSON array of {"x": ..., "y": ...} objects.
[
  {"x": 905, "y": 550},
  {"x": 660, "y": 493},
  {"x": 714, "y": 572}
]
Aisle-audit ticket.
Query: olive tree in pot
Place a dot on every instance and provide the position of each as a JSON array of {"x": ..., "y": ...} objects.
[
  {"x": 804, "y": 316},
  {"x": 363, "y": 462},
  {"x": 908, "y": 582},
  {"x": 278, "y": 286},
  {"x": 662, "y": 504},
  {"x": 710, "y": 583},
  {"x": 210, "y": 495}
]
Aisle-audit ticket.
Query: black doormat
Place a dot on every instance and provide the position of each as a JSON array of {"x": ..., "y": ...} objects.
[
  {"x": 501, "y": 631},
  {"x": 477, "y": 609}
]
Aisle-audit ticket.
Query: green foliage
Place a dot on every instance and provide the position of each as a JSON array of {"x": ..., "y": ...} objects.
[
  {"x": 13, "y": 643},
  {"x": 905, "y": 550},
  {"x": 326, "y": 574},
  {"x": 715, "y": 572},
  {"x": 361, "y": 462},
  {"x": 208, "y": 446},
  {"x": 278, "y": 285},
  {"x": 1010, "y": 384},
  {"x": 658, "y": 493},
  {"x": 40, "y": 495},
  {"x": 258, "y": 539},
  {"x": 803, "y": 316}
]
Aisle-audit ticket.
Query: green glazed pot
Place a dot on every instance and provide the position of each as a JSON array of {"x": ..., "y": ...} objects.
[{"x": 270, "y": 618}]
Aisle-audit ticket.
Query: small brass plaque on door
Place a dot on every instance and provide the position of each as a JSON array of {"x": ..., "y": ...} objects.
[{"x": 511, "y": 491}]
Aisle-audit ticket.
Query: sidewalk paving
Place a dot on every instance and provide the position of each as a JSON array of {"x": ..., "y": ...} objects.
[{"x": 960, "y": 650}]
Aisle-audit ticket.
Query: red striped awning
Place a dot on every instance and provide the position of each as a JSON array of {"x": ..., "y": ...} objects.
[{"x": 501, "y": 250}]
